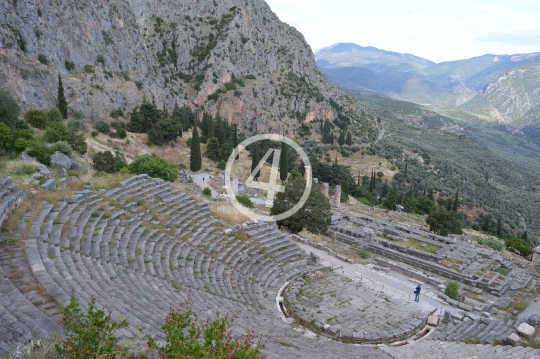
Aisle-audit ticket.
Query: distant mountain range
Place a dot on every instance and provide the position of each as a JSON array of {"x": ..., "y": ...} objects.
[{"x": 505, "y": 88}]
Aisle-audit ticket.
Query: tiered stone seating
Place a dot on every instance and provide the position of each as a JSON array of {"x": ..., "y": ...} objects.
[
  {"x": 483, "y": 330},
  {"x": 10, "y": 197},
  {"x": 431, "y": 349},
  {"x": 144, "y": 247}
]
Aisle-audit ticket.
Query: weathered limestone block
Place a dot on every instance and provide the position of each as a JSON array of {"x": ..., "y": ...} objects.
[{"x": 525, "y": 330}]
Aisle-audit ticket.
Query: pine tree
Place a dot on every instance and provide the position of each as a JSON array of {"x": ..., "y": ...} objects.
[
  {"x": 284, "y": 162},
  {"x": 431, "y": 194},
  {"x": 61, "y": 100},
  {"x": 456, "y": 202},
  {"x": 499, "y": 226},
  {"x": 195, "y": 158},
  {"x": 524, "y": 236},
  {"x": 255, "y": 159},
  {"x": 348, "y": 140}
]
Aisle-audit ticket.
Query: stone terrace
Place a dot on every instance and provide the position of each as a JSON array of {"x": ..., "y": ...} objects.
[{"x": 144, "y": 247}]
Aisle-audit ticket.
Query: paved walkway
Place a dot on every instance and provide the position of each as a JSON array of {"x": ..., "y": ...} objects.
[
  {"x": 203, "y": 180},
  {"x": 395, "y": 284}
]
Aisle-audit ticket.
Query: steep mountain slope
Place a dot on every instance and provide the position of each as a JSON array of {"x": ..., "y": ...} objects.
[
  {"x": 443, "y": 85},
  {"x": 512, "y": 96},
  {"x": 232, "y": 58}
]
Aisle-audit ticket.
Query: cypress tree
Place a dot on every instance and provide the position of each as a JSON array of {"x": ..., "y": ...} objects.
[
  {"x": 499, "y": 226},
  {"x": 195, "y": 158},
  {"x": 255, "y": 159},
  {"x": 524, "y": 236},
  {"x": 449, "y": 204},
  {"x": 348, "y": 140},
  {"x": 213, "y": 149},
  {"x": 391, "y": 201},
  {"x": 405, "y": 172},
  {"x": 345, "y": 190},
  {"x": 456, "y": 202},
  {"x": 61, "y": 100},
  {"x": 284, "y": 162},
  {"x": 431, "y": 194},
  {"x": 341, "y": 138}
]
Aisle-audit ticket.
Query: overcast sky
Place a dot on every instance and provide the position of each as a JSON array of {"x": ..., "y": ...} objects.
[{"x": 438, "y": 30}]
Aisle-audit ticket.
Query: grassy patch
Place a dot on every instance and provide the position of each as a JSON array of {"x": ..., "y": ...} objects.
[
  {"x": 228, "y": 213},
  {"x": 426, "y": 247}
]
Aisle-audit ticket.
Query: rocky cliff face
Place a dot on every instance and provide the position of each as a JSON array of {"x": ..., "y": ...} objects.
[
  {"x": 234, "y": 58},
  {"x": 512, "y": 96}
]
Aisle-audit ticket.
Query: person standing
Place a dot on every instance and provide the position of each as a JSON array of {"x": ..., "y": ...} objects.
[{"x": 417, "y": 292}]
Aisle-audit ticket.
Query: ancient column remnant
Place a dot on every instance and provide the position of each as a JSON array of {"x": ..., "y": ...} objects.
[
  {"x": 337, "y": 196},
  {"x": 324, "y": 189}
]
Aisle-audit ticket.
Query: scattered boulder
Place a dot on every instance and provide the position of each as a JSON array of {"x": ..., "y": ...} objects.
[
  {"x": 26, "y": 158},
  {"x": 44, "y": 171},
  {"x": 49, "y": 185},
  {"x": 433, "y": 320},
  {"x": 513, "y": 339},
  {"x": 74, "y": 179},
  {"x": 534, "y": 320},
  {"x": 60, "y": 160},
  {"x": 526, "y": 330}
]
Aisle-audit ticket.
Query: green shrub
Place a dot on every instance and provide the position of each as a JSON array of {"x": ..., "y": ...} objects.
[
  {"x": 118, "y": 112},
  {"x": 25, "y": 170},
  {"x": 69, "y": 65},
  {"x": 222, "y": 165},
  {"x": 73, "y": 125},
  {"x": 77, "y": 141},
  {"x": 491, "y": 243},
  {"x": 63, "y": 147},
  {"x": 6, "y": 137},
  {"x": 38, "y": 150},
  {"x": 89, "y": 334},
  {"x": 363, "y": 253},
  {"x": 20, "y": 144},
  {"x": 101, "y": 59},
  {"x": 56, "y": 131},
  {"x": 36, "y": 118},
  {"x": 452, "y": 290},
  {"x": 244, "y": 201},
  {"x": 154, "y": 166},
  {"x": 94, "y": 133},
  {"x": 104, "y": 162},
  {"x": 9, "y": 109},
  {"x": 519, "y": 246},
  {"x": 54, "y": 115},
  {"x": 364, "y": 200},
  {"x": 89, "y": 69},
  {"x": 207, "y": 192},
  {"x": 43, "y": 59},
  {"x": 121, "y": 133},
  {"x": 103, "y": 127}
]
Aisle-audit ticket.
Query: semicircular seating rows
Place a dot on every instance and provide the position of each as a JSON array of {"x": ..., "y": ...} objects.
[{"x": 144, "y": 247}]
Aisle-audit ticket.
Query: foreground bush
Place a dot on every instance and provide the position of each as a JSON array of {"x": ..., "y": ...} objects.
[
  {"x": 520, "y": 246},
  {"x": 36, "y": 118},
  {"x": 154, "y": 166},
  {"x": 107, "y": 162}
]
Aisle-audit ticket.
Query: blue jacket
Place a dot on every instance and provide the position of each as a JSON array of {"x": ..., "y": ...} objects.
[{"x": 418, "y": 289}]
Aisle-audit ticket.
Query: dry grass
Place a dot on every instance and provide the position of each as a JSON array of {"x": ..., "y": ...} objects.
[
  {"x": 109, "y": 181},
  {"x": 227, "y": 212}
]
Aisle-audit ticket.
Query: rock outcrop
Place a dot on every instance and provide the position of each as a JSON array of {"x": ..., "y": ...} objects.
[{"x": 232, "y": 58}]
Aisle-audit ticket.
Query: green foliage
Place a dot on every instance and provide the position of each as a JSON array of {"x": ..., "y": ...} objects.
[
  {"x": 104, "y": 162},
  {"x": 6, "y": 137},
  {"x": 245, "y": 201},
  {"x": 56, "y": 131},
  {"x": 520, "y": 246},
  {"x": 26, "y": 170},
  {"x": 492, "y": 243},
  {"x": 452, "y": 290},
  {"x": 315, "y": 215},
  {"x": 207, "y": 192},
  {"x": 61, "y": 102},
  {"x": 222, "y": 165},
  {"x": 284, "y": 162},
  {"x": 255, "y": 159},
  {"x": 195, "y": 157},
  {"x": 38, "y": 150},
  {"x": 121, "y": 133},
  {"x": 89, "y": 334},
  {"x": 94, "y": 133},
  {"x": 100, "y": 59},
  {"x": 445, "y": 222},
  {"x": 20, "y": 144},
  {"x": 211, "y": 339},
  {"x": 117, "y": 112},
  {"x": 36, "y": 118},
  {"x": 9, "y": 109},
  {"x": 212, "y": 149},
  {"x": 77, "y": 142},
  {"x": 363, "y": 253},
  {"x": 69, "y": 65},
  {"x": 89, "y": 69},
  {"x": 102, "y": 127},
  {"x": 54, "y": 115},
  {"x": 43, "y": 59},
  {"x": 154, "y": 166},
  {"x": 63, "y": 147}
]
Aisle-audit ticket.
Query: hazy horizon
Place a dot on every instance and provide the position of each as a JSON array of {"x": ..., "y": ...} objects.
[{"x": 438, "y": 31}]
